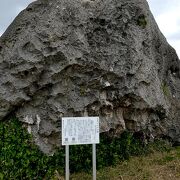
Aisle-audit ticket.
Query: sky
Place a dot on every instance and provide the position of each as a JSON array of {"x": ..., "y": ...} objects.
[{"x": 166, "y": 13}]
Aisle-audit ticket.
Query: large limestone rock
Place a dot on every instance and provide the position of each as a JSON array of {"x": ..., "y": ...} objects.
[{"x": 102, "y": 58}]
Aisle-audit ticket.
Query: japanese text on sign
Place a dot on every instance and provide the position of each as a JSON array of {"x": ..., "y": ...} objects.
[{"x": 80, "y": 130}]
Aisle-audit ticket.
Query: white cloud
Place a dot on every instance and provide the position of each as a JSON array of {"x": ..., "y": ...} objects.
[
  {"x": 167, "y": 15},
  {"x": 169, "y": 21}
]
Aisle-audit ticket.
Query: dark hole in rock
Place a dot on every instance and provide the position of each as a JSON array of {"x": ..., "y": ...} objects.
[
  {"x": 49, "y": 49},
  {"x": 89, "y": 35},
  {"x": 18, "y": 29},
  {"x": 119, "y": 17},
  {"x": 102, "y": 22},
  {"x": 174, "y": 69},
  {"x": 124, "y": 34},
  {"x": 36, "y": 86},
  {"x": 26, "y": 73},
  {"x": 47, "y": 25},
  {"x": 29, "y": 9},
  {"x": 97, "y": 29},
  {"x": 143, "y": 43},
  {"x": 107, "y": 39},
  {"x": 109, "y": 26}
]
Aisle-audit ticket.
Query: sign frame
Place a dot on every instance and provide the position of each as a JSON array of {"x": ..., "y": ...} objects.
[
  {"x": 80, "y": 130},
  {"x": 92, "y": 138}
]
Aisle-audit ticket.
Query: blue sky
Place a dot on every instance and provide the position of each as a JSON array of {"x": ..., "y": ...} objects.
[{"x": 166, "y": 13}]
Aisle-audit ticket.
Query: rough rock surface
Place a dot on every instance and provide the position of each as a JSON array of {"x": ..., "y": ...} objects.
[{"x": 83, "y": 58}]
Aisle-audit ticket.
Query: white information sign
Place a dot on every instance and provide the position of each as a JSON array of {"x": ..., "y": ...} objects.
[{"x": 80, "y": 130}]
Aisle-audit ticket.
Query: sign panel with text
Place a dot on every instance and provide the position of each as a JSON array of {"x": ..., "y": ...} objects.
[{"x": 80, "y": 130}]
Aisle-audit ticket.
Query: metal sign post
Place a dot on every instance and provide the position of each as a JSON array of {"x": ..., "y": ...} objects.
[
  {"x": 80, "y": 130},
  {"x": 94, "y": 160},
  {"x": 67, "y": 162}
]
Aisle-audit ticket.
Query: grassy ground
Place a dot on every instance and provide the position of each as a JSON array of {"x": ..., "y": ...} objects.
[{"x": 156, "y": 166}]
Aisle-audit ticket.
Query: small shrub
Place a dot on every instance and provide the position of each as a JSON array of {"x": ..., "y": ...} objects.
[
  {"x": 165, "y": 89},
  {"x": 141, "y": 21},
  {"x": 19, "y": 158}
]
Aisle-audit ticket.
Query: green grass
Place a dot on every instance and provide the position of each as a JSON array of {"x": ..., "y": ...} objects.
[{"x": 155, "y": 166}]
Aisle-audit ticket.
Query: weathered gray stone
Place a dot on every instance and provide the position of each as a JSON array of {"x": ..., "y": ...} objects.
[{"x": 106, "y": 58}]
